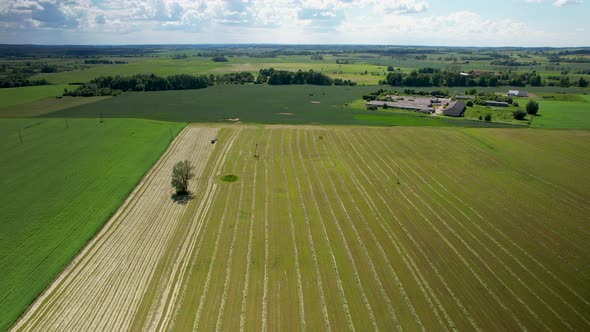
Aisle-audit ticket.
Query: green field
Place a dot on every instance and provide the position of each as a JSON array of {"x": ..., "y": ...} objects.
[
  {"x": 294, "y": 104},
  {"x": 481, "y": 230},
  {"x": 572, "y": 113},
  {"x": 58, "y": 188},
  {"x": 45, "y": 106},
  {"x": 22, "y": 95}
]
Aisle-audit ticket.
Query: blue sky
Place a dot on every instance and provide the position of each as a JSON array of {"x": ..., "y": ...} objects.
[{"x": 395, "y": 22}]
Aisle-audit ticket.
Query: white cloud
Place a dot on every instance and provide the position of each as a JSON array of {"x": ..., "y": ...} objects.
[
  {"x": 561, "y": 3},
  {"x": 558, "y": 3}
]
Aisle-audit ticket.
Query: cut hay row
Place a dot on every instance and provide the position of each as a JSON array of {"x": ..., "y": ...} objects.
[
  {"x": 228, "y": 269},
  {"x": 327, "y": 325},
  {"x": 295, "y": 250},
  {"x": 539, "y": 218},
  {"x": 253, "y": 216},
  {"x": 536, "y": 261},
  {"x": 402, "y": 252},
  {"x": 490, "y": 252},
  {"x": 395, "y": 239},
  {"x": 99, "y": 264},
  {"x": 266, "y": 243},
  {"x": 161, "y": 317},
  {"x": 213, "y": 259},
  {"x": 375, "y": 241},
  {"x": 344, "y": 241},
  {"x": 325, "y": 234},
  {"x": 456, "y": 250},
  {"x": 556, "y": 192},
  {"x": 483, "y": 262},
  {"x": 524, "y": 267}
]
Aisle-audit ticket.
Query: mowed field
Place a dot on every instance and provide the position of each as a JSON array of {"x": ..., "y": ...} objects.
[
  {"x": 484, "y": 231},
  {"x": 58, "y": 187}
]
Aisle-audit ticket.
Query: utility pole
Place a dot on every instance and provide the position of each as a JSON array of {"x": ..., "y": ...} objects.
[
  {"x": 20, "y": 135},
  {"x": 398, "y": 175},
  {"x": 100, "y": 117},
  {"x": 67, "y": 126},
  {"x": 257, "y": 153}
]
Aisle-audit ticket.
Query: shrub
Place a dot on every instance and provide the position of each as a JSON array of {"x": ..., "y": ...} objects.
[
  {"x": 532, "y": 107},
  {"x": 519, "y": 114},
  {"x": 469, "y": 103},
  {"x": 488, "y": 117}
]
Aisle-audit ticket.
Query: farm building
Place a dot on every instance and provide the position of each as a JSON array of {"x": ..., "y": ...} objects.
[
  {"x": 456, "y": 108},
  {"x": 420, "y": 104},
  {"x": 517, "y": 93},
  {"x": 496, "y": 103}
]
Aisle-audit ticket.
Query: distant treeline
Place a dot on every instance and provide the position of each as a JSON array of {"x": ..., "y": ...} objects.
[
  {"x": 103, "y": 62},
  {"x": 109, "y": 85},
  {"x": 114, "y": 85},
  {"x": 435, "y": 77},
  {"x": 285, "y": 77}
]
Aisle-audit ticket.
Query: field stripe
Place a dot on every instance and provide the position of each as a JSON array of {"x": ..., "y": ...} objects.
[
  {"x": 545, "y": 269},
  {"x": 228, "y": 269},
  {"x": 349, "y": 253},
  {"x": 245, "y": 288},
  {"x": 327, "y": 326},
  {"x": 457, "y": 252},
  {"x": 164, "y": 314},
  {"x": 214, "y": 257},
  {"x": 381, "y": 250},
  {"x": 499, "y": 245},
  {"x": 295, "y": 251},
  {"x": 483, "y": 261},
  {"x": 266, "y": 241},
  {"x": 325, "y": 233},
  {"x": 456, "y": 299}
]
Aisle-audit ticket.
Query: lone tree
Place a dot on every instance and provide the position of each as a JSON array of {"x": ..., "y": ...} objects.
[
  {"x": 532, "y": 107},
  {"x": 181, "y": 174}
]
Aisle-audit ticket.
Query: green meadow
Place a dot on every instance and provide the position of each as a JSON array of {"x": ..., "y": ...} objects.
[
  {"x": 23, "y": 95},
  {"x": 59, "y": 185}
]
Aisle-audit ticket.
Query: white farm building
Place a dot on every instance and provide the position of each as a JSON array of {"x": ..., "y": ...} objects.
[{"x": 517, "y": 93}]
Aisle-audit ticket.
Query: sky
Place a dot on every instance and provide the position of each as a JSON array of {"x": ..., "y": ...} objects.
[{"x": 526, "y": 23}]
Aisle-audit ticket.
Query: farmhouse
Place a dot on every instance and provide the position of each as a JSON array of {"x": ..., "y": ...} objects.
[
  {"x": 517, "y": 93},
  {"x": 496, "y": 103},
  {"x": 456, "y": 108}
]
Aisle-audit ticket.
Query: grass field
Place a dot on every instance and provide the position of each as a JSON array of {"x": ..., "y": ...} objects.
[
  {"x": 293, "y": 104},
  {"x": 58, "y": 188},
  {"x": 45, "y": 106},
  {"x": 483, "y": 231},
  {"x": 573, "y": 112},
  {"x": 22, "y": 95}
]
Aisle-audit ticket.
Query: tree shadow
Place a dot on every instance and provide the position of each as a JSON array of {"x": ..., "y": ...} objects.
[{"x": 182, "y": 197}]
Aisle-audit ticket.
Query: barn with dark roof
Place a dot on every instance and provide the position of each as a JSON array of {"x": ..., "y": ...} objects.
[{"x": 456, "y": 108}]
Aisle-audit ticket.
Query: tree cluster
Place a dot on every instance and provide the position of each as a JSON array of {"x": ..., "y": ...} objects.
[
  {"x": 451, "y": 78},
  {"x": 109, "y": 85},
  {"x": 234, "y": 78},
  {"x": 219, "y": 58},
  {"x": 285, "y": 77}
]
